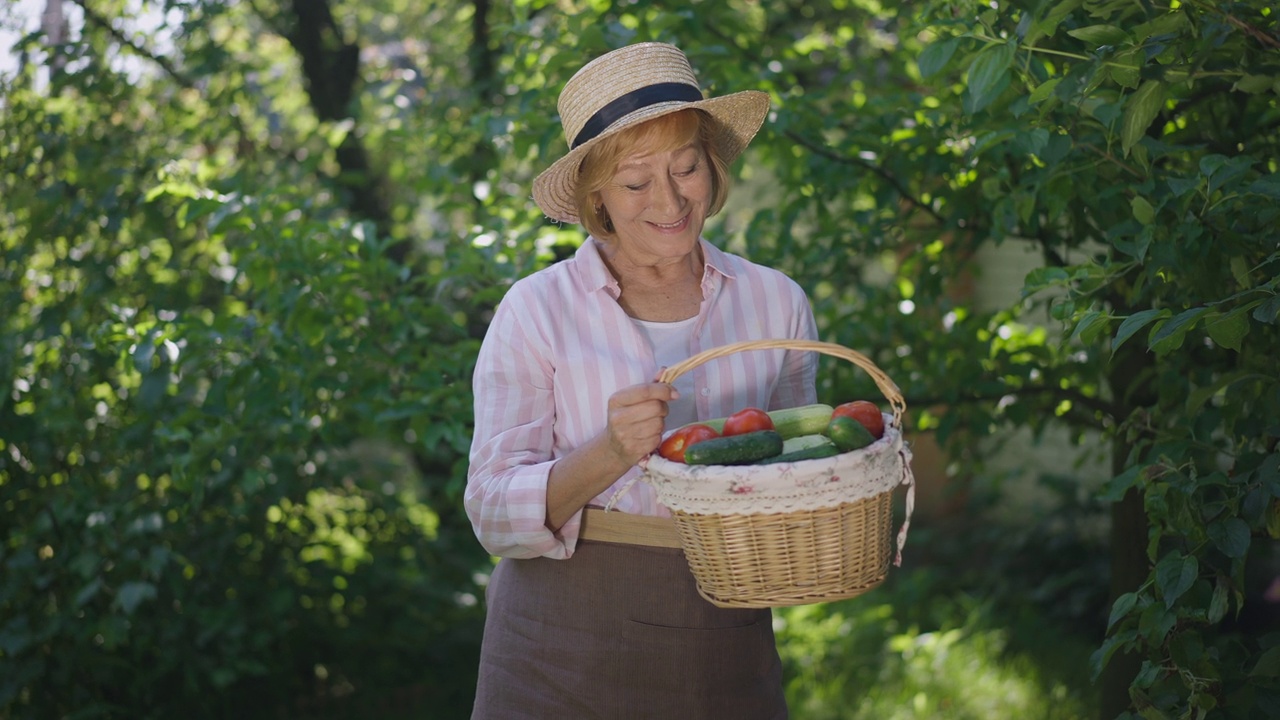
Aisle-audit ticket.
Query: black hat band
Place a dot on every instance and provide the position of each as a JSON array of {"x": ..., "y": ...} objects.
[{"x": 626, "y": 104}]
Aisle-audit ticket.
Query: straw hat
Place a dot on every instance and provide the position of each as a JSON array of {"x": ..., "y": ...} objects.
[{"x": 626, "y": 87}]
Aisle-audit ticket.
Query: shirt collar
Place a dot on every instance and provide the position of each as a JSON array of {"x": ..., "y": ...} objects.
[{"x": 596, "y": 276}]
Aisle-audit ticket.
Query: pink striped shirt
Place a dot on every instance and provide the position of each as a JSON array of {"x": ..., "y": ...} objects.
[{"x": 560, "y": 345}]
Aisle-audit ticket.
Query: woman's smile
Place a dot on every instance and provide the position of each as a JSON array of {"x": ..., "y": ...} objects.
[{"x": 674, "y": 227}]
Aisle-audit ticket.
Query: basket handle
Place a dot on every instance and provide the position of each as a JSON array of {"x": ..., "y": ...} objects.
[{"x": 886, "y": 385}]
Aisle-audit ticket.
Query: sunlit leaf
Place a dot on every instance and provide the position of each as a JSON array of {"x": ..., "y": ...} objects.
[
  {"x": 988, "y": 75},
  {"x": 1096, "y": 35},
  {"x": 1142, "y": 210},
  {"x": 1044, "y": 90}
]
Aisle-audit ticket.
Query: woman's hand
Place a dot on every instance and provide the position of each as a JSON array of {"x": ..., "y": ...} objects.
[{"x": 636, "y": 417}]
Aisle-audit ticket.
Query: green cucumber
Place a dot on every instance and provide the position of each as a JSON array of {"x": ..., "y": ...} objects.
[
  {"x": 804, "y": 442},
  {"x": 848, "y": 434},
  {"x": 790, "y": 422},
  {"x": 743, "y": 449},
  {"x": 810, "y": 453},
  {"x": 799, "y": 421}
]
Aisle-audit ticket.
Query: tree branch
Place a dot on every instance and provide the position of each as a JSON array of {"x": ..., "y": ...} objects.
[
  {"x": 1253, "y": 32},
  {"x": 93, "y": 18},
  {"x": 1109, "y": 410},
  {"x": 875, "y": 169}
]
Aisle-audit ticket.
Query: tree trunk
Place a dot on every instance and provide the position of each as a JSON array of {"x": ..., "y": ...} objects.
[
  {"x": 1129, "y": 569},
  {"x": 331, "y": 71},
  {"x": 1129, "y": 564}
]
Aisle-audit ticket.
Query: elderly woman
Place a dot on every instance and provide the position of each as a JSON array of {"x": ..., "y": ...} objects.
[{"x": 591, "y": 613}]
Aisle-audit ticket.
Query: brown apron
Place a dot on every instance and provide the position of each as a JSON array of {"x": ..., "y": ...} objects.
[{"x": 618, "y": 632}]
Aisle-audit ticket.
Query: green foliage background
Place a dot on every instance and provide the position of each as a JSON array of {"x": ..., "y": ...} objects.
[{"x": 248, "y": 250}]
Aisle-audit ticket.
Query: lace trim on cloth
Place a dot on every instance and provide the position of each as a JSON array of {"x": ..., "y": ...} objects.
[{"x": 787, "y": 487}]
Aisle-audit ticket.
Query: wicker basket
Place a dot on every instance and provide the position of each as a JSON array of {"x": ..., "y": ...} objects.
[{"x": 789, "y": 533}]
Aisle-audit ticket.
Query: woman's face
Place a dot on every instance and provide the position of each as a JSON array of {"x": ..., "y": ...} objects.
[{"x": 658, "y": 202}]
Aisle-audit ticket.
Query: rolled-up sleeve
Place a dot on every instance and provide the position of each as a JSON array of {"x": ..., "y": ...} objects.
[
  {"x": 797, "y": 380},
  {"x": 511, "y": 451}
]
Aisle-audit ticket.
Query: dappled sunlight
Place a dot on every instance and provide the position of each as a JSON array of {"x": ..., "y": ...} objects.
[{"x": 858, "y": 660}]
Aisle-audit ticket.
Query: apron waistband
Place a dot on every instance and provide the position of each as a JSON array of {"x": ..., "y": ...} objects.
[{"x": 619, "y": 527}]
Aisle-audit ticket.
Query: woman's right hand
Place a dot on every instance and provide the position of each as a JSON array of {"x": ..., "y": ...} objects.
[{"x": 636, "y": 419}]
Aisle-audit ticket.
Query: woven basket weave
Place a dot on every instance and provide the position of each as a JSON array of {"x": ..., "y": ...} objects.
[{"x": 797, "y": 533}]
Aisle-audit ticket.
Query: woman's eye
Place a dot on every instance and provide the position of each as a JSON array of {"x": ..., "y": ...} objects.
[
  {"x": 634, "y": 188},
  {"x": 688, "y": 172}
]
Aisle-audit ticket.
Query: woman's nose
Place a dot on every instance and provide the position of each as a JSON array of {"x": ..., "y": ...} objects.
[{"x": 668, "y": 194}]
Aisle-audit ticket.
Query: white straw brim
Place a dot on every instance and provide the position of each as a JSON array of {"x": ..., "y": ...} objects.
[{"x": 738, "y": 117}]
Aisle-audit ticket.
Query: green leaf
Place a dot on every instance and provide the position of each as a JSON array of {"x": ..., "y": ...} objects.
[
  {"x": 1121, "y": 607},
  {"x": 1055, "y": 16},
  {"x": 1126, "y": 69},
  {"x": 1133, "y": 324},
  {"x": 1135, "y": 245},
  {"x": 87, "y": 592},
  {"x": 1209, "y": 164},
  {"x": 1155, "y": 622},
  {"x": 1182, "y": 186},
  {"x": 1268, "y": 185},
  {"x": 1141, "y": 108},
  {"x": 1218, "y": 603},
  {"x": 1043, "y": 278},
  {"x": 1168, "y": 336},
  {"x": 1142, "y": 210},
  {"x": 1044, "y": 91},
  {"x": 1230, "y": 170},
  {"x": 1240, "y": 271},
  {"x": 1096, "y": 35},
  {"x": 1100, "y": 657},
  {"x": 1231, "y": 536},
  {"x": 15, "y": 636},
  {"x": 1175, "y": 575},
  {"x": 132, "y": 594},
  {"x": 1091, "y": 324},
  {"x": 988, "y": 75},
  {"x": 1229, "y": 330},
  {"x": 936, "y": 56},
  {"x": 1268, "y": 664},
  {"x": 1115, "y": 488},
  {"x": 1201, "y": 395},
  {"x": 1254, "y": 83},
  {"x": 1268, "y": 311}
]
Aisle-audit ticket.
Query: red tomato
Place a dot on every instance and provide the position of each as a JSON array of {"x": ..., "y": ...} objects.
[
  {"x": 865, "y": 412},
  {"x": 677, "y": 442},
  {"x": 747, "y": 420}
]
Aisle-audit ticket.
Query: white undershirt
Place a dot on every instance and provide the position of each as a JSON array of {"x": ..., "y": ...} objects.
[{"x": 670, "y": 342}]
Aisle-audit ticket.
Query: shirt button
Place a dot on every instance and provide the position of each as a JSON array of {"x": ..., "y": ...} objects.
[{"x": 705, "y": 391}]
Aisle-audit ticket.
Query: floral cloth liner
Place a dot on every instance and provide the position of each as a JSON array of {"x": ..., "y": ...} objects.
[{"x": 788, "y": 487}]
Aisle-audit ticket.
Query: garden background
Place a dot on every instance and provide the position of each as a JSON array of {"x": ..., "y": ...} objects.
[{"x": 248, "y": 250}]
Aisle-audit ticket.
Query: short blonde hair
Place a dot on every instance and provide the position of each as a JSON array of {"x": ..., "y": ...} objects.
[{"x": 661, "y": 134}]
